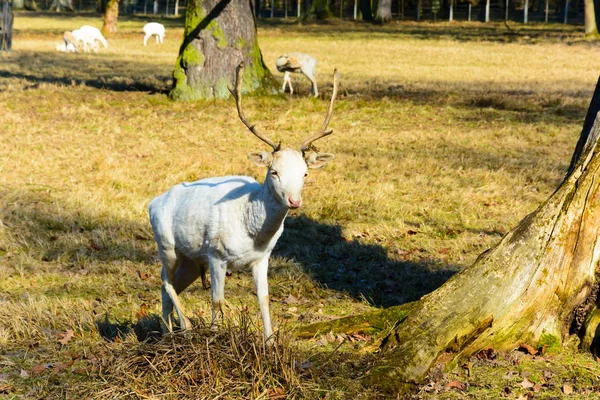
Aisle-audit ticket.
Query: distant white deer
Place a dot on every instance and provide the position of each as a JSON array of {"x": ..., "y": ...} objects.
[
  {"x": 299, "y": 63},
  {"x": 90, "y": 36},
  {"x": 154, "y": 28},
  {"x": 230, "y": 221}
]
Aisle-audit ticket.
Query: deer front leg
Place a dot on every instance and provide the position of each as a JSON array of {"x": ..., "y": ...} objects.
[
  {"x": 287, "y": 80},
  {"x": 218, "y": 270},
  {"x": 259, "y": 272}
]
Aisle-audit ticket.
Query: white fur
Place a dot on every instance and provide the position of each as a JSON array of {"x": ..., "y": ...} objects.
[
  {"x": 154, "y": 28},
  {"x": 90, "y": 37},
  {"x": 231, "y": 221},
  {"x": 298, "y": 63},
  {"x": 66, "y": 48}
]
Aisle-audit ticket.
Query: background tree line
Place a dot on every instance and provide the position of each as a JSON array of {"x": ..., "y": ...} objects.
[{"x": 570, "y": 11}]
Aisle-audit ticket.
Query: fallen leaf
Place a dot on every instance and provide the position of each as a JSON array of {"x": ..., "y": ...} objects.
[
  {"x": 6, "y": 388},
  {"x": 444, "y": 250},
  {"x": 528, "y": 349},
  {"x": 143, "y": 276},
  {"x": 24, "y": 374},
  {"x": 142, "y": 312},
  {"x": 39, "y": 368},
  {"x": 537, "y": 387},
  {"x": 487, "y": 354},
  {"x": 59, "y": 367},
  {"x": 292, "y": 309},
  {"x": 291, "y": 299},
  {"x": 277, "y": 393},
  {"x": 96, "y": 246},
  {"x": 359, "y": 337},
  {"x": 456, "y": 384},
  {"x": 526, "y": 384},
  {"x": 567, "y": 388},
  {"x": 65, "y": 337}
]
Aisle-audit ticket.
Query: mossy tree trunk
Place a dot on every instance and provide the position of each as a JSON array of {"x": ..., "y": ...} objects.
[
  {"x": 384, "y": 11},
  {"x": 591, "y": 28},
  {"x": 111, "y": 15},
  {"x": 218, "y": 35},
  {"x": 537, "y": 285}
]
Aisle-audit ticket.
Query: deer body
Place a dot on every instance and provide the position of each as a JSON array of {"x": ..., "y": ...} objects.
[
  {"x": 154, "y": 28},
  {"x": 231, "y": 221},
  {"x": 298, "y": 63}
]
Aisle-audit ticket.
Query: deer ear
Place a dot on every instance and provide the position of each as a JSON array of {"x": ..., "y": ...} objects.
[
  {"x": 317, "y": 160},
  {"x": 261, "y": 158}
]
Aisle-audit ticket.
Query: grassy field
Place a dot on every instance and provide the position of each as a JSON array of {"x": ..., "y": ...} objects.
[{"x": 445, "y": 136}]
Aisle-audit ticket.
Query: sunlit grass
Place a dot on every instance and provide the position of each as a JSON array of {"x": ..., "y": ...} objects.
[{"x": 445, "y": 136}]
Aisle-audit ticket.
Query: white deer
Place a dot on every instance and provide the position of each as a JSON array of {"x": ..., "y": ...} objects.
[
  {"x": 298, "y": 63},
  {"x": 230, "y": 221},
  {"x": 154, "y": 28}
]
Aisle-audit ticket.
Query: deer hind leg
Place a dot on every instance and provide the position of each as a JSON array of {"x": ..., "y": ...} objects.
[
  {"x": 169, "y": 293},
  {"x": 310, "y": 74},
  {"x": 218, "y": 271}
]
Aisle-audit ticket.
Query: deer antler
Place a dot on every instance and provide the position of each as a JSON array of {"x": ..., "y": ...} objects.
[
  {"x": 324, "y": 131},
  {"x": 237, "y": 94}
]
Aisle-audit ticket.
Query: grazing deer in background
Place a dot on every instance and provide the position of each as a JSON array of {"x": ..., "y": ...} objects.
[
  {"x": 154, "y": 28},
  {"x": 70, "y": 42},
  {"x": 299, "y": 63},
  {"x": 231, "y": 221}
]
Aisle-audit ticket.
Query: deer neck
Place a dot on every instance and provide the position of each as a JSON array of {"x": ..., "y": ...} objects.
[{"x": 264, "y": 215}]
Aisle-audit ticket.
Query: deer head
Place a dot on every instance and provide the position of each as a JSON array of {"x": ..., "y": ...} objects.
[{"x": 287, "y": 168}]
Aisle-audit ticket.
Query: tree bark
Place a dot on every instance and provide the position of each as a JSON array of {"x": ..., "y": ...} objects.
[
  {"x": 218, "y": 35},
  {"x": 111, "y": 15},
  {"x": 591, "y": 29},
  {"x": 537, "y": 285},
  {"x": 365, "y": 10},
  {"x": 384, "y": 11}
]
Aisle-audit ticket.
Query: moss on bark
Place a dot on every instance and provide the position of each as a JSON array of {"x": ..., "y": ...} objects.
[{"x": 214, "y": 44}]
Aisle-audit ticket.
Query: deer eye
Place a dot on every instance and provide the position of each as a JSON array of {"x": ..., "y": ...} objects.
[
  {"x": 274, "y": 173},
  {"x": 305, "y": 174}
]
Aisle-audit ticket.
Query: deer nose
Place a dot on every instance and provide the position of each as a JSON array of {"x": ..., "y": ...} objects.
[{"x": 294, "y": 203}]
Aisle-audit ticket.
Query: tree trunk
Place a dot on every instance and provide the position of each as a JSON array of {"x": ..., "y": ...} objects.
[
  {"x": 111, "y": 15},
  {"x": 218, "y": 35},
  {"x": 365, "y": 10},
  {"x": 537, "y": 285},
  {"x": 318, "y": 10},
  {"x": 591, "y": 29},
  {"x": 384, "y": 11}
]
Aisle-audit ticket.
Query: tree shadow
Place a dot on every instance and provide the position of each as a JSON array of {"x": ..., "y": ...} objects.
[
  {"x": 147, "y": 328},
  {"x": 97, "y": 71},
  {"x": 364, "y": 271},
  {"x": 44, "y": 228},
  {"x": 460, "y": 31}
]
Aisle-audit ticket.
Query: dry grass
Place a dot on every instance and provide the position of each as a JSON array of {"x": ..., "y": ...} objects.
[{"x": 446, "y": 135}]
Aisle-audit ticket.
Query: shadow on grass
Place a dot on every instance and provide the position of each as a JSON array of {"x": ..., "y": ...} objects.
[
  {"x": 147, "y": 328},
  {"x": 364, "y": 271},
  {"x": 99, "y": 71},
  {"x": 74, "y": 239},
  {"x": 460, "y": 31}
]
